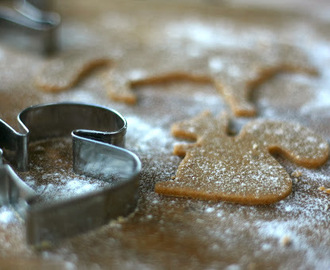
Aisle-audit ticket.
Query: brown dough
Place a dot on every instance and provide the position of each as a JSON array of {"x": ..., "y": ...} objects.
[
  {"x": 65, "y": 71},
  {"x": 240, "y": 168},
  {"x": 135, "y": 70},
  {"x": 223, "y": 69}
]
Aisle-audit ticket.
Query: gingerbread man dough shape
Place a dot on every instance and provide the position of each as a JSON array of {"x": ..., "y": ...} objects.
[{"x": 240, "y": 168}]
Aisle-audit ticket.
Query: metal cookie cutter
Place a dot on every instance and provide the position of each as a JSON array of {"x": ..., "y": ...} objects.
[
  {"x": 98, "y": 137},
  {"x": 26, "y": 15}
]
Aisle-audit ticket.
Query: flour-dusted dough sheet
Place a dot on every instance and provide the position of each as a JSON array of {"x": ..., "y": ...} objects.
[
  {"x": 65, "y": 71},
  {"x": 169, "y": 232},
  {"x": 234, "y": 73}
]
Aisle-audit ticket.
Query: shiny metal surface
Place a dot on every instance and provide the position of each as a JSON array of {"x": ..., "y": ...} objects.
[
  {"x": 98, "y": 135},
  {"x": 27, "y": 16}
]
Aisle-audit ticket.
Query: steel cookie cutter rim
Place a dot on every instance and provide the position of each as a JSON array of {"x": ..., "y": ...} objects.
[
  {"x": 98, "y": 135},
  {"x": 29, "y": 17}
]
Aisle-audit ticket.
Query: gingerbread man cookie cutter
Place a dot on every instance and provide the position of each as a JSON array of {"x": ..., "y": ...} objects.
[{"x": 98, "y": 135}]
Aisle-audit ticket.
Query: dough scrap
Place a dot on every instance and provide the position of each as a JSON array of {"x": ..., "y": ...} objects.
[
  {"x": 151, "y": 68},
  {"x": 234, "y": 73},
  {"x": 240, "y": 169},
  {"x": 64, "y": 72},
  {"x": 236, "y": 88}
]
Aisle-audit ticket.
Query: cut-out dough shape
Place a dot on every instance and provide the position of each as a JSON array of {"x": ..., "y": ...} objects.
[
  {"x": 240, "y": 169},
  {"x": 234, "y": 74},
  {"x": 65, "y": 71},
  {"x": 151, "y": 67},
  {"x": 249, "y": 71}
]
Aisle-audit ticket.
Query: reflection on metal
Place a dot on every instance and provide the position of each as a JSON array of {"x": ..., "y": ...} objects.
[
  {"x": 98, "y": 137},
  {"x": 27, "y": 16}
]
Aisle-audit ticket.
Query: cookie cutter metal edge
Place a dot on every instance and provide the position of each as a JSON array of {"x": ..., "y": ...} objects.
[
  {"x": 30, "y": 17},
  {"x": 98, "y": 135}
]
